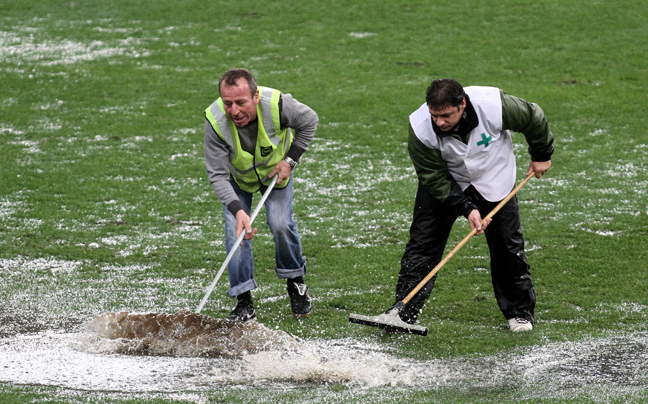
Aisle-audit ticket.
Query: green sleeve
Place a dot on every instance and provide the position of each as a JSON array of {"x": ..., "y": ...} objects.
[
  {"x": 430, "y": 167},
  {"x": 528, "y": 118}
]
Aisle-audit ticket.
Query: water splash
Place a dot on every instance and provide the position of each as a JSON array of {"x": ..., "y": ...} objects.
[
  {"x": 186, "y": 334},
  {"x": 599, "y": 370}
]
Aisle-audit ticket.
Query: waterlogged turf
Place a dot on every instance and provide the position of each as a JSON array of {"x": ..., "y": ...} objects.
[
  {"x": 105, "y": 206},
  {"x": 598, "y": 370}
]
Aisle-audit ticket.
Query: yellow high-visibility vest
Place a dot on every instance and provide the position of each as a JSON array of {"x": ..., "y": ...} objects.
[{"x": 252, "y": 170}]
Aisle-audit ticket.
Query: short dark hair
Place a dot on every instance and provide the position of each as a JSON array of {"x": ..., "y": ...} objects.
[
  {"x": 443, "y": 93},
  {"x": 231, "y": 77}
]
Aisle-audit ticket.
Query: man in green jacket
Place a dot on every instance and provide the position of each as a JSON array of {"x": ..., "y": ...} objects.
[{"x": 461, "y": 148}]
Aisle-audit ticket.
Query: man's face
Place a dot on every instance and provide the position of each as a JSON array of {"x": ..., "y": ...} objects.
[
  {"x": 240, "y": 105},
  {"x": 448, "y": 117}
]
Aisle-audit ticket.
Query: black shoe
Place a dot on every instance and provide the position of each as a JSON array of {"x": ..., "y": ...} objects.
[
  {"x": 300, "y": 300},
  {"x": 244, "y": 311}
]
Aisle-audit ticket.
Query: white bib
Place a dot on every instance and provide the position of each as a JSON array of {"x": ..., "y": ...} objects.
[{"x": 487, "y": 160}]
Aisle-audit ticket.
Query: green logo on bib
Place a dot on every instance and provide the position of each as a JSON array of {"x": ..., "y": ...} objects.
[{"x": 485, "y": 140}]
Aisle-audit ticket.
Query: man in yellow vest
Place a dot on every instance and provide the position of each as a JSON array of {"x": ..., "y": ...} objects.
[
  {"x": 252, "y": 134},
  {"x": 460, "y": 145}
]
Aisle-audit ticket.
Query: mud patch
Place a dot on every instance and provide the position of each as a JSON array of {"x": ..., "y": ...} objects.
[{"x": 185, "y": 334}]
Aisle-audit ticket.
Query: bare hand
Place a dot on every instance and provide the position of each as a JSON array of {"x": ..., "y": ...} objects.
[
  {"x": 283, "y": 169},
  {"x": 243, "y": 224},
  {"x": 539, "y": 168},
  {"x": 475, "y": 222}
]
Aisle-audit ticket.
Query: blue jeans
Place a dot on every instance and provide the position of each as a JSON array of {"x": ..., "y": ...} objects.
[{"x": 288, "y": 250}]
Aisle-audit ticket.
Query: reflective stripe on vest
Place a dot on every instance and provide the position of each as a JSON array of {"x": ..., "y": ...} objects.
[{"x": 250, "y": 171}]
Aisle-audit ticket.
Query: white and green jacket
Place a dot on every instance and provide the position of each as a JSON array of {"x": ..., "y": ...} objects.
[{"x": 479, "y": 150}]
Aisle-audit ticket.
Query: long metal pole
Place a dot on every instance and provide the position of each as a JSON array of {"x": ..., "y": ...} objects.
[{"x": 235, "y": 247}]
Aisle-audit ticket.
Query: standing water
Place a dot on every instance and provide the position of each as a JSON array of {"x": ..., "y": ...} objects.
[{"x": 192, "y": 353}]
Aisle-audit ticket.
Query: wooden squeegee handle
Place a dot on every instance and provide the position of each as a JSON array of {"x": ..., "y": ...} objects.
[{"x": 465, "y": 240}]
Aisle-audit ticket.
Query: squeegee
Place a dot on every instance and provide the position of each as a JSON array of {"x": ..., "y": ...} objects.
[{"x": 391, "y": 321}]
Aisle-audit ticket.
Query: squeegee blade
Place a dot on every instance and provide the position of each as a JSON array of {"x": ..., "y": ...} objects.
[{"x": 390, "y": 322}]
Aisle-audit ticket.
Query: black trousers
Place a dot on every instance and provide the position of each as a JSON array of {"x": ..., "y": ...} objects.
[{"x": 431, "y": 225}]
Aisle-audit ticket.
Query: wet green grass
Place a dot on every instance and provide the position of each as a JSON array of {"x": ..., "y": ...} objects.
[{"x": 101, "y": 114}]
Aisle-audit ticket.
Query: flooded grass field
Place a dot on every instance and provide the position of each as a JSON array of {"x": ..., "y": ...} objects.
[
  {"x": 602, "y": 370},
  {"x": 188, "y": 357},
  {"x": 110, "y": 232}
]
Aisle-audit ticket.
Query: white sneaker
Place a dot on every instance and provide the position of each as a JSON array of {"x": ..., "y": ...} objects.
[{"x": 518, "y": 324}]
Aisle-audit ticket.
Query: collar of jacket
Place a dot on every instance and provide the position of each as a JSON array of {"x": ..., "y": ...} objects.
[{"x": 466, "y": 124}]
